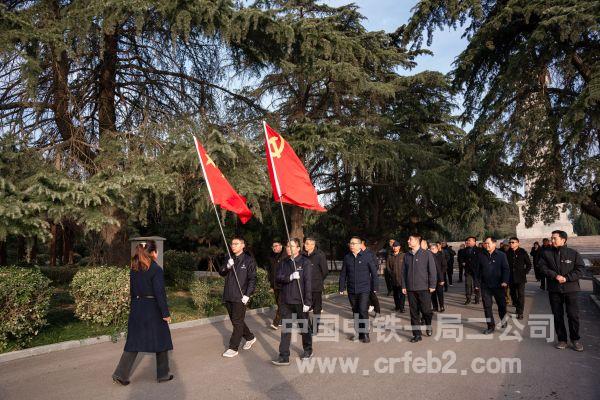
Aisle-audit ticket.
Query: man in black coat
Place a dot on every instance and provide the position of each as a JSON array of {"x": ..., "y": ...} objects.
[
  {"x": 394, "y": 264},
  {"x": 359, "y": 276},
  {"x": 387, "y": 274},
  {"x": 449, "y": 253},
  {"x": 240, "y": 282},
  {"x": 563, "y": 267},
  {"x": 373, "y": 299},
  {"x": 468, "y": 260},
  {"x": 418, "y": 282},
  {"x": 319, "y": 272},
  {"x": 492, "y": 276},
  {"x": 277, "y": 255},
  {"x": 437, "y": 297},
  {"x": 520, "y": 265},
  {"x": 295, "y": 278}
]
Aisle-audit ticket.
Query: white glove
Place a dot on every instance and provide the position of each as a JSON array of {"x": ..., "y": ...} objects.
[
  {"x": 295, "y": 275},
  {"x": 230, "y": 263},
  {"x": 245, "y": 299},
  {"x": 305, "y": 308}
]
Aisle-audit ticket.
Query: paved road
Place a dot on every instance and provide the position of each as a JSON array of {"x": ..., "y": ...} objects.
[{"x": 201, "y": 372}]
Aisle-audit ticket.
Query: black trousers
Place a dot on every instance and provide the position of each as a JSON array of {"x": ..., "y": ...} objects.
[
  {"x": 543, "y": 283},
  {"x": 237, "y": 313},
  {"x": 460, "y": 272},
  {"x": 499, "y": 294},
  {"x": 419, "y": 302},
  {"x": 389, "y": 280},
  {"x": 374, "y": 301},
  {"x": 360, "y": 310},
  {"x": 470, "y": 287},
  {"x": 437, "y": 297},
  {"x": 317, "y": 308},
  {"x": 277, "y": 319},
  {"x": 558, "y": 303},
  {"x": 289, "y": 314},
  {"x": 517, "y": 295},
  {"x": 123, "y": 371},
  {"x": 450, "y": 272},
  {"x": 399, "y": 298}
]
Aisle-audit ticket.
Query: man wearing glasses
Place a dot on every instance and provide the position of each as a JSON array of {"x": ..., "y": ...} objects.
[
  {"x": 275, "y": 259},
  {"x": 359, "y": 276},
  {"x": 240, "y": 282},
  {"x": 520, "y": 265},
  {"x": 563, "y": 267}
]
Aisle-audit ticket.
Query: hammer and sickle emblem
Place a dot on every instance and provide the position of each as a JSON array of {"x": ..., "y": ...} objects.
[
  {"x": 209, "y": 161},
  {"x": 276, "y": 151}
]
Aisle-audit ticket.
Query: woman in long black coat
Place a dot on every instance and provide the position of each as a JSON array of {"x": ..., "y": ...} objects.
[{"x": 149, "y": 318}]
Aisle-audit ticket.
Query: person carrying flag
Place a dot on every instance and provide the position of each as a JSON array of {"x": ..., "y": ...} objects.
[
  {"x": 240, "y": 281},
  {"x": 294, "y": 276}
]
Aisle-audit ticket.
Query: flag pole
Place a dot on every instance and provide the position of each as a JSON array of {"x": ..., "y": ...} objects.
[
  {"x": 212, "y": 200},
  {"x": 287, "y": 231}
]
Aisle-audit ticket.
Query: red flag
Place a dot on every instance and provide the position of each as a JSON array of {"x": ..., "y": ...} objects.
[
  {"x": 219, "y": 189},
  {"x": 289, "y": 179}
]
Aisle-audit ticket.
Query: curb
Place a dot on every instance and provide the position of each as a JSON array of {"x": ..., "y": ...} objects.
[{"x": 74, "y": 344}]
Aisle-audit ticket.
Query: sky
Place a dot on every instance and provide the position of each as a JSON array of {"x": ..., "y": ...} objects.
[{"x": 387, "y": 15}]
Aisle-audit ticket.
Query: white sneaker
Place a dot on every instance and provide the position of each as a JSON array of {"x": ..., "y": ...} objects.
[
  {"x": 230, "y": 353},
  {"x": 249, "y": 344},
  {"x": 371, "y": 308}
]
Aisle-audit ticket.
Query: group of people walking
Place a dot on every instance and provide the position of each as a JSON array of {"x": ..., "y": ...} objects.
[{"x": 420, "y": 274}]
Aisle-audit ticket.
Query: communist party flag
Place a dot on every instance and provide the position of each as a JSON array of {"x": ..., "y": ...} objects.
[
  {"x": 289, "y": 179},
  {"x": 219, "y": 189}
]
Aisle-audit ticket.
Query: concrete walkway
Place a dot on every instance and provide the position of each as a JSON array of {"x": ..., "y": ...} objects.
[{"x": 201, "y": 372}]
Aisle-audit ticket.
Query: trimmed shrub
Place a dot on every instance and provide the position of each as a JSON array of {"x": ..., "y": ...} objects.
[
  {"x": 179, "y": 268},
  {"x": 263, "y": 296},
  {"x": 60, "y": 275},
  {"x": 206, "y": 295},
  {"x": 102, "y": 295},
  {"x": 24, "y": 300}
]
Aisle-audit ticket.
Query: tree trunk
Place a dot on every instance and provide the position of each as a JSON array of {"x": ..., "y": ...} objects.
[
  {"x": 67, "y": 244},
  {"x": 107, "y": 82},
  {"x": 54, "y": 232},
  {"x": 21, "y": 249},
  {"x": 3, "y": 257},
  {"x": 116, "y": 244},
  {"x": 297, "y": 223}
]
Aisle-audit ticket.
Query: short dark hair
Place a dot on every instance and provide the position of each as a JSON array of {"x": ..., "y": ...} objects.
[
  {"x": 237, "y": 237},
  {"x": 364, "y": 241},
  {"x": 562, "y": 234},
  {"x": 471, "y": 237},
  {"x": 416, "y": 236},
  {"x": 490, "y": 237},
  {"x": 312, "y": 239},
  {"x": 355, "y": 237},
  {"x": 514, "y": 238},
  {"x": 545, "y": 240}
]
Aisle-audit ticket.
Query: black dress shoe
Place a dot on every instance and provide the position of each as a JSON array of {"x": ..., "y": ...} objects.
[
  {"x": 366, "y": 339},
  {"x": 402, "y": 311},
  {"x": 435, "y": 310},
  {"x": 428, "y": 332},
  {"x": 489, "y": 331},
  {"x": 442, "y": 309},
  {"x": 167, "y": 379},
  {"x": 120, "y": 381},
  {"x": 520, "y": 316},
  {"x": 476, "y": 302},
  {"x": 468, "y": 301},
  {"x": 416, "y": 339},
  {"x": 504, "y": 325}
]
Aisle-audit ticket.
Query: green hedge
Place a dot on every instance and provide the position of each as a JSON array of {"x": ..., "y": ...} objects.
[
  {"x": 24, "y": 300},
  {"x": 179, "y": 268},
  {"x": 263, "y": 296},
  {"x": 102, "y": 295}
]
